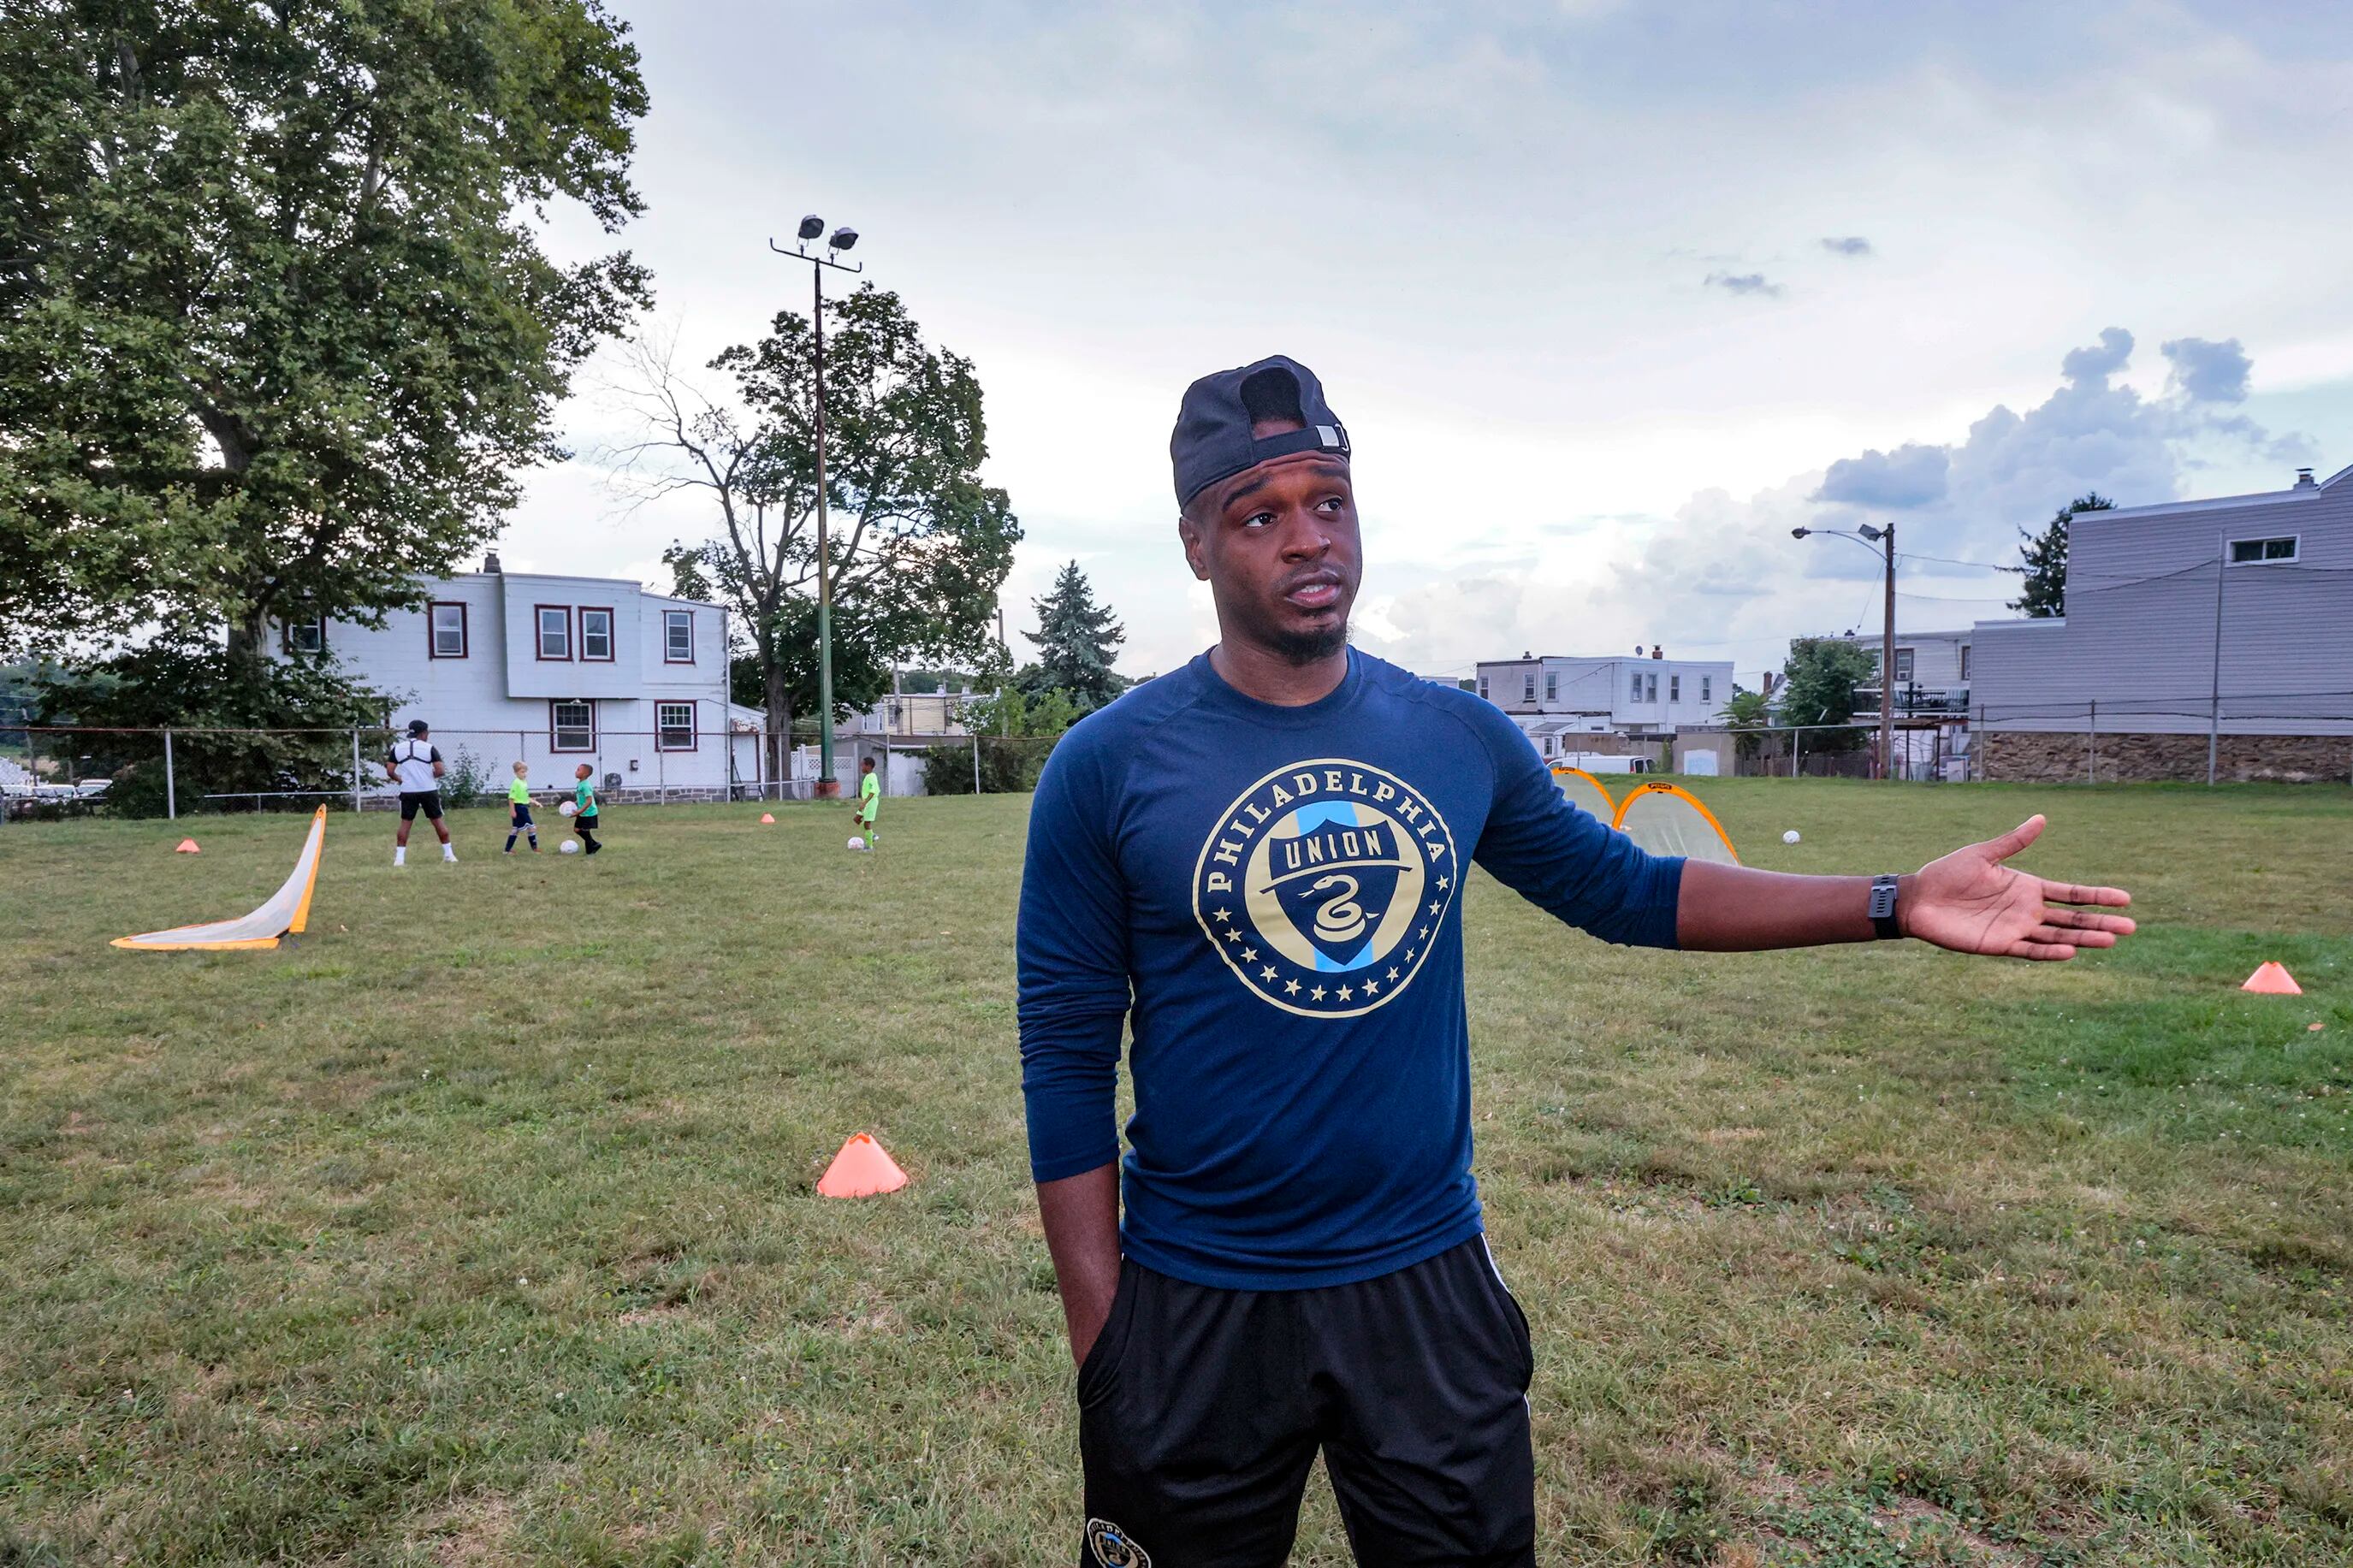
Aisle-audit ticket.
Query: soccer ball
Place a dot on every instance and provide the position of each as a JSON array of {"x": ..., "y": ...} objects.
[
  {"x": 858, "y": 843},
  {"x": 1790, "y": 836},
  {"x": 567, "y": 809},
  {"x": 567, "y": 847}
]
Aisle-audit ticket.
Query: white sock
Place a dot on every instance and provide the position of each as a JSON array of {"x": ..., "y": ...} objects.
[
  {"x": 450, "y": 852},
  {"x": 400, "y": 854}
]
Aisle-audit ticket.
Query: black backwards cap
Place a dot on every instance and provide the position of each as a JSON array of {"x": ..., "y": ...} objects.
[{"x": 1213, "y": 437}]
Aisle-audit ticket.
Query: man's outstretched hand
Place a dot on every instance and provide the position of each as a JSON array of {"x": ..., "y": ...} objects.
[{"x": 1970, "y": 902}]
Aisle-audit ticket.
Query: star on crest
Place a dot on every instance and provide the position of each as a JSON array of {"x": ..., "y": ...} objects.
[
  {"x": 1442, "y": 883},
  {"x": 1345, "y": 994},
  {"x": 1392, "y": 976},
  {"x": 1372, "y": 988},
  {"x": 1316, "y": 994},
  {"x": 1221, "y": 914},
  {"x": 1435, "y": 908},
  {"x": 1266, "y": 973},
  {"x": 1249, "y": 955},
  {"x": 1291, "y": 987},
  {"x": 1233, "y": 935}
]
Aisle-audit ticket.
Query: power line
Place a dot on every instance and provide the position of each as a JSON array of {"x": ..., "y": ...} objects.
[{"x": 1948, "y": 561}]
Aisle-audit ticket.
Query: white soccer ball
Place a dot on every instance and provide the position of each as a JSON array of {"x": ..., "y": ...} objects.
[
  {"x": 567, "y": 809},
  {"x": 567, "y": 847},
  {"x": 858, "y": 843},
  {"x": 1790, "y": 836}
]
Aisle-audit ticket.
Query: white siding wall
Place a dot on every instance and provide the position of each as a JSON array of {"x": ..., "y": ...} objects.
[
  {"x": 470, "y": 702},
  {"x": 1606, "y": 686}
]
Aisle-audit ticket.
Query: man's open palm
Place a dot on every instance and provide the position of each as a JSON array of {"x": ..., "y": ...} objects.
[{"x": 1970, "y": 902}]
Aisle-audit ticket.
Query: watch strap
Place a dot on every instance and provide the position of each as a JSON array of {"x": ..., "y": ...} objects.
[{"x": 1883, "y": 909}]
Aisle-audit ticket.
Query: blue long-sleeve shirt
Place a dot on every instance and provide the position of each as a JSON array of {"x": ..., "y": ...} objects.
[{"x": 1271, "y": 897}]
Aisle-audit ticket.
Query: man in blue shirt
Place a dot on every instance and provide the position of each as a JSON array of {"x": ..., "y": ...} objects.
[{"x": 1255, "y": 864}]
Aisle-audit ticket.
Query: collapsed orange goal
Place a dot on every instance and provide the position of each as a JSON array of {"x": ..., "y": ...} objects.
[{"x": 284, "y": 915}]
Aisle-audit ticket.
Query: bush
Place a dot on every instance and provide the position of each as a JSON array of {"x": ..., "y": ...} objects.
[
  {"x": 1008, "y": 764},
  {"x": 465, "y": 782}
]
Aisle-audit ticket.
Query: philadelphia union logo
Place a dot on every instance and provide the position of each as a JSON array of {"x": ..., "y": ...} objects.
[
  {"x": 1323, "y": 886},
  {"x": 1112, "y": 1547}
]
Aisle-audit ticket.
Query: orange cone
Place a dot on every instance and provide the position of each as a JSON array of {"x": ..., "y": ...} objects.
[
  {"x": 768, "y": 818},
  {"x": 860, "y": 1170},
  {"x": 2272, "y": 979},
  {"x": 187, "y": 847}
]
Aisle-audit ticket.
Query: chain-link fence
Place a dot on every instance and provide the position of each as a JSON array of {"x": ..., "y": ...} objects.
[
  {"x": 54, "y": 770},
  {"x": 60, "y": 771},
  {"x": 2300, "y": 737}
]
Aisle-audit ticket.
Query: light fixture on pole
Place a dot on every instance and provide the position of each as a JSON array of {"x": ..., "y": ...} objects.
[
  {"x": 1867, "y": 536},
  {"x": 811, "y": 227}
]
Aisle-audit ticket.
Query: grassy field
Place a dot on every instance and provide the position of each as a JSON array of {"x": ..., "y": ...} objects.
[{"x": 479, "y": 1228}]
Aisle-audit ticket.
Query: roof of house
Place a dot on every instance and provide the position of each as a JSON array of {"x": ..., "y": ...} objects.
[{"x": 2293, "y": 493}]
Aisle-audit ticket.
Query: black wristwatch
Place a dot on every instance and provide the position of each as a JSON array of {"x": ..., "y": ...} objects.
[{"x": 1883, "y": 908}]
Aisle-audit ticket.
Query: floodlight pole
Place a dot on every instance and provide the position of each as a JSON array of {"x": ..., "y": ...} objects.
[{"x": 828, "y": 786}]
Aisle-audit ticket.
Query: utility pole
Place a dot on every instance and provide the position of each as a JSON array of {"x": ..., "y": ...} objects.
[
  {"x": 828, "y": 786},
  {"x": 1887, "y": 667},
  {"x": 1867, "y": 535},
  {"x": 2214, "y": 710}
]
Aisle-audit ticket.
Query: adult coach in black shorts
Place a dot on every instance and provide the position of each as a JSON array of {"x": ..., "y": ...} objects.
[
  {"x": 1256, "y": 861},
  {"x": 416, "y": 767}
]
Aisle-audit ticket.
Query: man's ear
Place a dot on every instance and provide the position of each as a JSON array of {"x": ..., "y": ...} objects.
[{"x": 1190, "y": 536}]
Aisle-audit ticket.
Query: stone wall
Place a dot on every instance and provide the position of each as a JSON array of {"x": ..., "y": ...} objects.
[{"x": 2033, "y": 757}]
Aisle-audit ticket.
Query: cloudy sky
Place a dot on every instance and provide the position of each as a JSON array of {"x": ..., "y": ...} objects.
[{"x": 1611, "y": 294}]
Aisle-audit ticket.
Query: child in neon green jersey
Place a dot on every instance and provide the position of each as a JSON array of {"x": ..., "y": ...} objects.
[
  {"x": 870, "y": 799},
  {"x": 519, "y": 809}
]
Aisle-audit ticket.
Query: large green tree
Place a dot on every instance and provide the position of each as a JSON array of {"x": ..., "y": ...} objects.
[
  {"x": 1077, "y": 639},
  {"x": 1747, "y": 714},
  {"x": 918, "y": 546},
  {"x": 276, "y": 330},
  {"x": 1818, "y": 688},
  {"x": 2044, "y": 592}
]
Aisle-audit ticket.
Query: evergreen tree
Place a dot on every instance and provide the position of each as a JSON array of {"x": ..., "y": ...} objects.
[
  {"x": 2045, "y": 555},
  {"x": 1076, "y": 640}
]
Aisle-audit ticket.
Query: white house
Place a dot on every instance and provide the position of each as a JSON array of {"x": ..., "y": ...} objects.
[
  {"x": 1628, "y": 696},
  {"x": 557, "y": 671},
  {"x": 1932, "y": 674}
]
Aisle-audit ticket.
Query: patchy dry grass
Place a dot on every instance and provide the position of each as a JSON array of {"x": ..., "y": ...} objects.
[{"x": 477, "y": 1230}]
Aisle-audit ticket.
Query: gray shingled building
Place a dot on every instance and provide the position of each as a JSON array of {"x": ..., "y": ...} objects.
[{"x": 2223, "y": 623}]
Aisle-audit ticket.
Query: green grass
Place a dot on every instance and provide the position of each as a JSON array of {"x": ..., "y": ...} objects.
[{"x": 479, "y": 1228}]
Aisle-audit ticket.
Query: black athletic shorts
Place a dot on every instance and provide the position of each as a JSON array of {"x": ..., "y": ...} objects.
[
  {"x": 428, "y": 801},
  {"x": 1200, "y": 1410},
  {"x": 521, "y": 816}
]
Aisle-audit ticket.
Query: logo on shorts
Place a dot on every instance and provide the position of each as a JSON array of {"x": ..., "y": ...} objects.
[
  {"x": 1323, "y": 886},
  {"x": 1112, "y": 1547}
]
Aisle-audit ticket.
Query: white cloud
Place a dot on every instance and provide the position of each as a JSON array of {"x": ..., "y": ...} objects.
[
  {"x": 1721, "y": 576},
  {"x": 2209, "y": 371},
  {"x": 1486, "y": 229}
]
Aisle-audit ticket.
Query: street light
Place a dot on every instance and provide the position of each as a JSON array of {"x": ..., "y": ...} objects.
[
  {"x": 811, "y": 226},
  {"x": 1867, "y": 536}
]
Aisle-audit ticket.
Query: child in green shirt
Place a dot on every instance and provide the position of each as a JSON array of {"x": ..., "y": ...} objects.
[
  {"x": 583, "y": 820},
  {"x": 870, "y": 800},
  {"x": 519, "y": 809}
]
